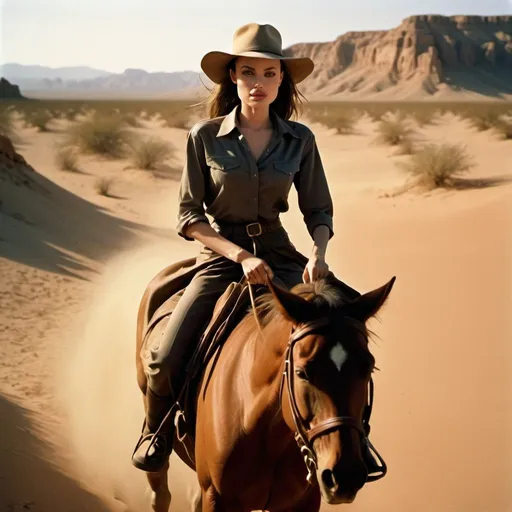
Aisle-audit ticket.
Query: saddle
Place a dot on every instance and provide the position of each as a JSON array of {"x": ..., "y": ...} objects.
[{"x": 229, "y": 309}]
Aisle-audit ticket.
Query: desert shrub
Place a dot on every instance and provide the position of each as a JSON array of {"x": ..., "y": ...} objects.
[
  {"x": 343, "y": 122},
  {"x": 406, "y": 146},
  {"x": 393, "y": 131},
  {"x": 102, "y": 135},
  {"x": 484, "y": 120},
  {"x": 71, "y": 114},
  {"x": 6, "y": 120},
  {"x": 178, "y": 119},
  {"x": 103, "y": 185},
  {"x": 151, "y": 153},
  {"x": 436, "y": 165},
  {"x": 132, "y": 120},
  {"x": 39, "y": 119},
  {"x": 504, "y": 128},
  {"x": 424, "y": 117},
  {"x": 67, "y": 159}
]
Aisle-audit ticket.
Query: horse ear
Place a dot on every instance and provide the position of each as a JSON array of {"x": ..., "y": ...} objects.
[
  {"x": 292, "y": 306},
  {"x": 367, "y": 305}
]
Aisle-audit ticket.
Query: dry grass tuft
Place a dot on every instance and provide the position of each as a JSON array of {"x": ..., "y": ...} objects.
[
  {"x": 424, "y": 117},
  {"x": 178, "y": 119},
  {"x": 71, "y": 114},
  {"x": 103, "y": 185},
  {"x": 132, "y": 120},
  {"x": 6, "y": 121},
  {"x": 67, "y": 159},
  {"x": 437, "y": 165},
  {"x": 406, "y": 147},
  {"x": 394, "y": 131},
  {"x": 39, "y": 119},
  {"x": 484, "y": 120},
  {"x": 151, "y": 153},
  {"x": 101, "y": 135},
  {"x": 504, "y": 128}
]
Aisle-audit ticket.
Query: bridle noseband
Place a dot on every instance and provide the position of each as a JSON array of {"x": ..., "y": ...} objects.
[{"x": 305, "y": 437}]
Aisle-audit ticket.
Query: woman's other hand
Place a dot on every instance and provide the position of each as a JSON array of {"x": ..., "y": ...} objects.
[
  {"x": 316, "y": 268},
  {"x": 256, "y": 270}
]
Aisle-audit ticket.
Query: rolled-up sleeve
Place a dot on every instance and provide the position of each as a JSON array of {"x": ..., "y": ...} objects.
[
  {"x": 192, "y": 187},
  {"x": 315, "y": 200}
]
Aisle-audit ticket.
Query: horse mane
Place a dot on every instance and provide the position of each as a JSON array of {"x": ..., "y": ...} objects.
[{"x": 319, "y": 293}]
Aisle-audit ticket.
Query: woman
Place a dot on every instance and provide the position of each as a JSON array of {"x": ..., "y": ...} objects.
[{"x": 240, "y": 164}]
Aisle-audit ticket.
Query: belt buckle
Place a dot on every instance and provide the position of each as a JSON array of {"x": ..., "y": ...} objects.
[{"x": 260, "y": 231}]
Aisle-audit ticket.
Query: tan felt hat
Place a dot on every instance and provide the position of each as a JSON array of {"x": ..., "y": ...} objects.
[{"x": 254, "y": 40}]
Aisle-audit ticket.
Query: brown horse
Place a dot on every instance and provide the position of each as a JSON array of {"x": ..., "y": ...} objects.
[{"x": 279, "y": 420}]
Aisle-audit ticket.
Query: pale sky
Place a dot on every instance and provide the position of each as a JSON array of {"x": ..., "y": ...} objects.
[{"x": 173, "y": 35}]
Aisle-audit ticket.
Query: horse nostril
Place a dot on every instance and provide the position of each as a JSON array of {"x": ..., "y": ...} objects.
[
  {"x": 354, "y": 478},
  {"x": 328, "y": 479}
]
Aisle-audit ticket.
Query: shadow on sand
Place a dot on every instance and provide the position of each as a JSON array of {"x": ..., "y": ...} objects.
[
  {"x": 468, "y": 183},
  {"x": 28, "y": 478},
  {"x": 45, "y": 226}
]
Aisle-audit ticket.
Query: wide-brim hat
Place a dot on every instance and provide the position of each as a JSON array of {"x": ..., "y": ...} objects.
[{"x": 254, "y": 40}]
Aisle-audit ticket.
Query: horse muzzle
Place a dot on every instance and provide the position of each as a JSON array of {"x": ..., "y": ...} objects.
[{"x": 341, "y": 486}]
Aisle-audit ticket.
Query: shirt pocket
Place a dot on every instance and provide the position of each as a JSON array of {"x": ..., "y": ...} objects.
[
  {"x": 223, "y": 163},
  {"x": 289, "y": 167},
  {"x": 227, "y": 175}
]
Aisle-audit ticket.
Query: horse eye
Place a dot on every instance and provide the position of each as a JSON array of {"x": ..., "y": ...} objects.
[{"x": 301, "y": 373}]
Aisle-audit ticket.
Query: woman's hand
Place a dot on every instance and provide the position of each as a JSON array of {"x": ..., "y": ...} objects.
[
  {"x": 316, "y": 268},
  {"x": 256, "y": 270}
]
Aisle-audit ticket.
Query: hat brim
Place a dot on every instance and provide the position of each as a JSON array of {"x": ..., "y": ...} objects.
[{"x": 214, "y": 64}]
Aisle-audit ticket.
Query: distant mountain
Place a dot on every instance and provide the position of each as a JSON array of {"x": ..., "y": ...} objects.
[
  {"x": 17, "y": 72},
  {"x": 132, "y": 82}
]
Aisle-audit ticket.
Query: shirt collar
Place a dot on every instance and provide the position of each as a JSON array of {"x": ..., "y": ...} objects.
[{"x": 230, "y": 122}]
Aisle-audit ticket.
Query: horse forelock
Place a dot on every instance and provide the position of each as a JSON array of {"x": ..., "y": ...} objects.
[
  {"x": 320, "y": 294},
  {"x": 326, "y": 298}
]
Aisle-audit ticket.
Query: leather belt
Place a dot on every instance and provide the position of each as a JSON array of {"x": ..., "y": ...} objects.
[{"x": 250, "y": 229}]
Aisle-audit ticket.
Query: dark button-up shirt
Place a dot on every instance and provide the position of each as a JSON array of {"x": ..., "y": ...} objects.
[{"x": 221, "y": 177}]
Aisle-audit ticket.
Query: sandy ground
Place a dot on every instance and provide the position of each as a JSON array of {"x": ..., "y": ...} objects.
[{"x": 73, "y": 265}]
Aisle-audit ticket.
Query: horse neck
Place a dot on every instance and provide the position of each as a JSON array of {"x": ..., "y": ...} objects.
[{"x": 269, "y": 347}]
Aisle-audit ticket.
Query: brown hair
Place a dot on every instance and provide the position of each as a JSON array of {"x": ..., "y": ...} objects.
[{"x": 224, "y": 97}]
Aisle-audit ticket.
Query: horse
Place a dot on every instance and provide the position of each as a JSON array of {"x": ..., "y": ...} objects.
[{"x": 279, "y": 410}]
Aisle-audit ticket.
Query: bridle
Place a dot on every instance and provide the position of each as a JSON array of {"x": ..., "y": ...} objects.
[{"x": 304, "y": 436}]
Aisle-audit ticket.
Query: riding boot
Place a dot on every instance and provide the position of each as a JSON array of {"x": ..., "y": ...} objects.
[{"x": 154, "y": 448}]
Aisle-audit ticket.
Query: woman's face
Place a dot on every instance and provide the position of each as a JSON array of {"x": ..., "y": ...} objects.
[{"x": 257, "y": 80}]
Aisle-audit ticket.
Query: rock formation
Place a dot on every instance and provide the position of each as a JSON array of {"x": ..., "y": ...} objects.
[
  {"x": 9, "y": 91},
  {"x": 425, "y": 55},
  {"x": 14, "y": 169}
]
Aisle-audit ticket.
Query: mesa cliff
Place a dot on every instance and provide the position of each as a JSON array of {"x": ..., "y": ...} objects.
[{"x": 427, "y": 55}]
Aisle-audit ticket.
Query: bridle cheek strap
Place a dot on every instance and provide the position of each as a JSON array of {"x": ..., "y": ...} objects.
[{"x": 305, "y": 437}]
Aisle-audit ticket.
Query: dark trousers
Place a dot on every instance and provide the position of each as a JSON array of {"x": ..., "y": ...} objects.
[{"x": 166, "y": 368}]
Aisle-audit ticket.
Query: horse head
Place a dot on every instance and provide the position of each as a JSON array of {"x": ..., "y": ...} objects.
[{"x": 328, "y": 367}]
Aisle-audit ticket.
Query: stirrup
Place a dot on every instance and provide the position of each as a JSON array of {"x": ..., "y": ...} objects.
[
  {"x": 180, "y": 415},
  {"x": 148, "y": 463}
]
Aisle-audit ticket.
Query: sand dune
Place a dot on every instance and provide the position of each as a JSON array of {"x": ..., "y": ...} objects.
[{"x": 73, "y": 265}]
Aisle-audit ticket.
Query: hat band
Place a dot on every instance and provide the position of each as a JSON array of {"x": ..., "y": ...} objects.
[{"x": 260, "y": 50}]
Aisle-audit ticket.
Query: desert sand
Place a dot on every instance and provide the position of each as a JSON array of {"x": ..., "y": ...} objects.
[{"x": 73, "y": 265}]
